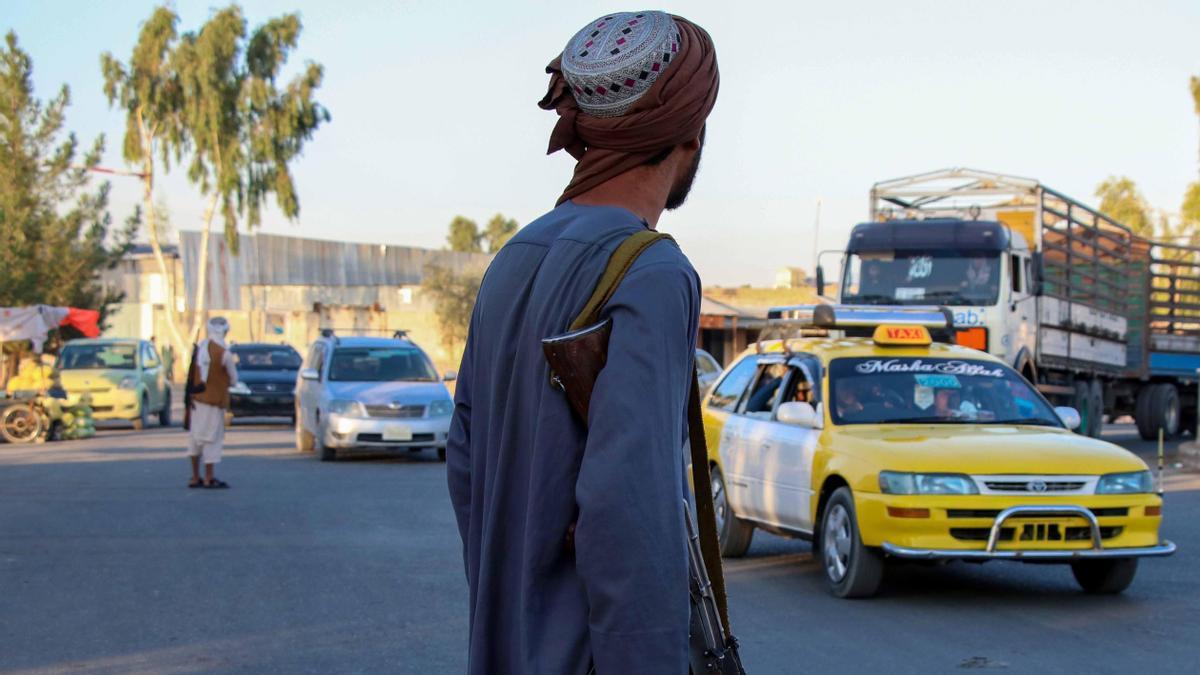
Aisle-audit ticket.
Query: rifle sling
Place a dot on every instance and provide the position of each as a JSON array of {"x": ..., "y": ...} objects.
[{"x": 618, "y": 265}]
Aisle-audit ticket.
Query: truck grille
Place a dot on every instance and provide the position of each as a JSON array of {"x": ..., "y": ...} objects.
[{"x": 404, "y": 411}]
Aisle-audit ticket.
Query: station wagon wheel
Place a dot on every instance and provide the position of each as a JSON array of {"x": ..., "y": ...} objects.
[
  {"x": 733, "y": 533},
  {"x": 852, "y": 569}
]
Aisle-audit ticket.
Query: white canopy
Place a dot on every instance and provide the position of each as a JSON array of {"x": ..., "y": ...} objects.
[{"x": 30, "y": 323}]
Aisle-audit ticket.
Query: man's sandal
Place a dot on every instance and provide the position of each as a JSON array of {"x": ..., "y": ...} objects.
[
  {"x": 195, "y": 483},
  {"x": 216, "y": 484}
]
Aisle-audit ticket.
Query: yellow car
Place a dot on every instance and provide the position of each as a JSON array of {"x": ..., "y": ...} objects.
[
  {"x": 889, "y": 445},
  {"x": 124, "y": 378}
]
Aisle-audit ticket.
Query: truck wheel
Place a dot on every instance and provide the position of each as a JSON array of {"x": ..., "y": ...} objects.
[
  {"x": 1097, "y": 396},
  {"x": 1164, "y": 410},
  {"x": 1141, "y": 412},
  {"x": 1104, "y": 577},
  {"x": 733, "y": 532},
  {"x": 852, "y": 570},
  {"x": 1083, "y": 403}
]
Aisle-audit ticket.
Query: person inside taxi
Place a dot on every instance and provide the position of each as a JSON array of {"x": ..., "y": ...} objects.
[{"x": 848, "y": 400}]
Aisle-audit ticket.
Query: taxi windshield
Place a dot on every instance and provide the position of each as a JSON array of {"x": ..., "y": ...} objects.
[{"x": 920, "y": 390}]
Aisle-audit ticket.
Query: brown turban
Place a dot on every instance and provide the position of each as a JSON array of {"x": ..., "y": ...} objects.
[{"x": 672, "y": 112}]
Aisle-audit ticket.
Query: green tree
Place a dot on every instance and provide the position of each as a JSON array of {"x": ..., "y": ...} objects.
[
  {"x": 464, "y": 236},
  {"x": 1121, "y": 200},
  {"x": 149, "y": 91},
  {"x": 454, "y": 296},
  {"x": 499, "y": 231},
  {"x": 55, "y": 227},
  {"x": 244, "y": 129}
]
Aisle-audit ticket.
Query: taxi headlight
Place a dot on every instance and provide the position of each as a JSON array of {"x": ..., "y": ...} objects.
[
  {"x": 128, "y": 382},
  {"x": 347, "y": 408},
  {"x": 897, "y": 483},
  {"x": 441, "y": 408},
  {"x": 1125, "y": 483}
]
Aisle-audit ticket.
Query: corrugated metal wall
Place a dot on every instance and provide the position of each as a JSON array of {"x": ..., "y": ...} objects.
[{"x": 274, "y": 260}]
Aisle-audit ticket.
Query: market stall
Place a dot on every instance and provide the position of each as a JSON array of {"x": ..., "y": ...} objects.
[{"x": 32, "y": 406}]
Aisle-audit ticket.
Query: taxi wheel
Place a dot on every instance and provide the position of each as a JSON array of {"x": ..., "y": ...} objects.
[
  {"x": 852, "y": 570},
  {"x": 733, "y": 532},
  {"x": 1104, "y": 577}
]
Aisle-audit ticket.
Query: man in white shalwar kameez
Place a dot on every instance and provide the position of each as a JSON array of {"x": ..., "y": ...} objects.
[{"x": 210, "y": 376}]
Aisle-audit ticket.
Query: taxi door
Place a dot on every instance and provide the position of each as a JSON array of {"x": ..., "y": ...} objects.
[
  {"x": 787, "y": 461},
  {"x": 751, "y": 443}
]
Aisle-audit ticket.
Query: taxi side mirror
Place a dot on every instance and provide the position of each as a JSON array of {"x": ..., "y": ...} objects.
[
  {"x": 1069, "y": 416},
  {"x": 798, "y": 413}
]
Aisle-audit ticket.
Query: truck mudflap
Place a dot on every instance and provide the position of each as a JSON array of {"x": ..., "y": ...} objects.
[{"x": 993, "y": 552}]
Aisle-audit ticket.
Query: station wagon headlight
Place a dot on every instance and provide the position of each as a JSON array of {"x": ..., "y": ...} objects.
[
  {"x": 898, "y": 483},
  {"x": 347, "y": 408},
  {"x": 128, "y": 382},
  {"x": 441, "y": 408},
  {"x": 1125, "y": 483}
]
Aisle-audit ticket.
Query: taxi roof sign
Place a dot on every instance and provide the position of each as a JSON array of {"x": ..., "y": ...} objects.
[{"x": 902, "y": 335}]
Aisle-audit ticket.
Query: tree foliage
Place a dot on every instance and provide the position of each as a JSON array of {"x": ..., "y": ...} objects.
[
  {"x": 55, "y": 227},
  {"x": 499, "y": 231},
  {"x": 1121, "y": 200},
  {"x": 454, "y": 296},
  {"x": 464, "y": 236}
]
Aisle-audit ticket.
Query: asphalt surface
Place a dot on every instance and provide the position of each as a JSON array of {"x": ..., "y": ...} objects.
[{"x": 108, "y": 564}]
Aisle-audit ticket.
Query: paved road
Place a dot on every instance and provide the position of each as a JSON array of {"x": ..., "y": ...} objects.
[{"x": 109, "y": 564}]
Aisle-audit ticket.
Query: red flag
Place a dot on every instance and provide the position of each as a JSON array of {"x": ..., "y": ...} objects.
[{"x": 86, "y": 321}]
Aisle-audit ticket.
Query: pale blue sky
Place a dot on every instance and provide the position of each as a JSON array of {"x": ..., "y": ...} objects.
[{"x": 434, "y": 109}]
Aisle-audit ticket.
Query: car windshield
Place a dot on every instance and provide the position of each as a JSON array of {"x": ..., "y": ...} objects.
[
  {"x": 922, "y": 278},
  {"x": 98, "y": 357},
  {"x": 380, "y": 364},
  {"x": 912, "y": 390},
  {"x": 266, "y": 358}
]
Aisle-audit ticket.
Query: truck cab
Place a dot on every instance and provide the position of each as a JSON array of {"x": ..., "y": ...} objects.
[{"x": 980, "y": 270}]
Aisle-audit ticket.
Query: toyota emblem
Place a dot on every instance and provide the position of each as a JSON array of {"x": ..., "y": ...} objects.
[
  {"x": 395, "y": 405},
  {"x": 1036, "y": 486}
]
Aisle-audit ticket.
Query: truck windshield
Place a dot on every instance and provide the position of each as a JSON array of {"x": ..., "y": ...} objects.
[
  {"x": 919, "y": 390},
  {"x": 921, "y": 278}
]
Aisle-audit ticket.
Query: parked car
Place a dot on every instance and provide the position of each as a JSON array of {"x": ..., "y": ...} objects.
[
  {"x": 707, "y": 370},
  {"x": 125, "y": 379},
  {"x": 266, "y": 380},
  {"x": 895, "y": 447},
  {"x": 370, "y": 393}
]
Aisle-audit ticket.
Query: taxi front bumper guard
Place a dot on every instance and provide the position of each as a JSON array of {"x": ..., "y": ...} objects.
[{"x": 992, "y": 552}]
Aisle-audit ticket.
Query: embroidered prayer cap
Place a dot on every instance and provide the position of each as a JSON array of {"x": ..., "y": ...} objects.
[{"x": 614, "y": 60}]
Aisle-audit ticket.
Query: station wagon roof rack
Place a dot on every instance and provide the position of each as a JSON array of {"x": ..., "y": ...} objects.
[
  {"x": 794, "y": 321},
  {"x": 396, "y": 334}
]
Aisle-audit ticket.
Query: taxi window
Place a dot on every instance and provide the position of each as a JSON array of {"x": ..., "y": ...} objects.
[
  {"x": 767, "y": 389},
  {"x": 801, "y": 387},
  {"x": 729, "y": 391},
  {"x": 918, "y": 390}
]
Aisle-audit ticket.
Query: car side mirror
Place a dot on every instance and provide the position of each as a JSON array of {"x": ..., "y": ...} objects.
[
  {"x": 310, "y": 374},
  {"x": 1069, "y": 416},
  {"x": 450, "y": 376},
  {"x": 798, "y": 413}
]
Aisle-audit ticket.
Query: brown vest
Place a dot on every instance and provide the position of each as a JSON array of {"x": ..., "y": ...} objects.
[{"x": 216, "y": 388}]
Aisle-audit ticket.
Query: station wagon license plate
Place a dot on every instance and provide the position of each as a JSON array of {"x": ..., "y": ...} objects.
[{"x": 397, "y": 433}]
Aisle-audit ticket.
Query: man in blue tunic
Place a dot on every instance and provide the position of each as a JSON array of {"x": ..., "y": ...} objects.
[{"x": 573, "y": 535}]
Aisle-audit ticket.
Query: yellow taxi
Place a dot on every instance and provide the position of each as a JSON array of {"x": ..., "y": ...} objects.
[{"x": 877, "y": 443}]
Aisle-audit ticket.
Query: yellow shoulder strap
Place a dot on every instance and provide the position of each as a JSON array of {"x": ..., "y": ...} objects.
[{"x": 618, "y": 265}]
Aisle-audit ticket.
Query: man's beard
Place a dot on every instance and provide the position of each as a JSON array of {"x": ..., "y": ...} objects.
[{"x": 683, "y": 186}]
